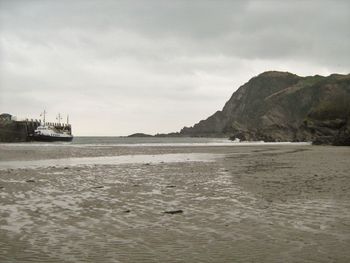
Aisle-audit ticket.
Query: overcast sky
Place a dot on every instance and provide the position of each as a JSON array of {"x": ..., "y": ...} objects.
[{"x": 119, "y": 67}]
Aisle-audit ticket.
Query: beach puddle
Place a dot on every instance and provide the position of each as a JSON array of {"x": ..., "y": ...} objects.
[{"x": 112, "y": 160}]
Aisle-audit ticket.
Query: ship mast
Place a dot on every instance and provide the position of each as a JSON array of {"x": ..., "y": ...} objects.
[
  {"x": 67, "y": 119},
  {"x": 43, "y": 114},
  {"x": 59, "y": 118}
]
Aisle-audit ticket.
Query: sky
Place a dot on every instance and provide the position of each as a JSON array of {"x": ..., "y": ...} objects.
[{"x": 155, "y": 66}]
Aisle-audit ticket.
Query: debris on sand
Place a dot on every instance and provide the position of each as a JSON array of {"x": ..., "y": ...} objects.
[
  {"x": 170, "y": 186},
  {"x": 172, "y": 212},
  {"x": 30, "y": 181},
  {"x": 98, "y": 187}
]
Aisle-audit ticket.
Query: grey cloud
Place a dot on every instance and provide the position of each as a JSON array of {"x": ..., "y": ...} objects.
[{"x": 259, "y": 29}]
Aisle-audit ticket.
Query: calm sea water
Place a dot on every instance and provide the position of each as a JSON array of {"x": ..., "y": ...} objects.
[
  {"x": 102, "y": 144},
  {"x": 165, "y": 141},
  {"x": 146, "y": 140},
  {"x": 149, "y": 141}
]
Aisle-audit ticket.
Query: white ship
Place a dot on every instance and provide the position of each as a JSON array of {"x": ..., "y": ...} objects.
[{"x": 50, "y": 132}]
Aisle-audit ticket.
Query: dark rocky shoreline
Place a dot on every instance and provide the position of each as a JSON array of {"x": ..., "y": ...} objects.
[{"x": 281, "y": 106}]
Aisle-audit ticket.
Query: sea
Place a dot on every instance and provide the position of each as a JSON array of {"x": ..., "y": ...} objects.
[
  {"x": 50, "y": 153},
  {"x": 152, "y": 141},
  {"x": 114, "y": 140}
]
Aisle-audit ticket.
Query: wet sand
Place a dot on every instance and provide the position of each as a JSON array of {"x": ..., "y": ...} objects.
[{"x": 238, "y": 204}]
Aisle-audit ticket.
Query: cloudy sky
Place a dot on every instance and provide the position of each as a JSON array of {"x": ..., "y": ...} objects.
[{"x": 119, "y": 67}]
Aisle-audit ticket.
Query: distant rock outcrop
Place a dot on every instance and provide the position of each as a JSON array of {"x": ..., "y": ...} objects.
[
  {"x": 280, "y": 106},
  {"x": 140, "y": 135}
]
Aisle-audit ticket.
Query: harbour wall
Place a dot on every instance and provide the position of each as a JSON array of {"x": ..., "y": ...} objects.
[{"x": 17, "y": 131}]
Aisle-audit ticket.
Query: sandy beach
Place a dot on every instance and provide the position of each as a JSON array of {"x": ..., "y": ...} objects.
[{"x": 260, "y": 203}]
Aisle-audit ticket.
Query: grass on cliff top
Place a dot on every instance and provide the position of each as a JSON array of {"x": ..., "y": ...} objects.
[
  {"x": 311, "y": 80},
  {"x": 335, "y": 108}
]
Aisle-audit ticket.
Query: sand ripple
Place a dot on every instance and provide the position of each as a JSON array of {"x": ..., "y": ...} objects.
[{"x": 115, "y": 213}]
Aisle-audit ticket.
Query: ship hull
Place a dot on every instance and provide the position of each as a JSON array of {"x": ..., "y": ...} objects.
[{"x": 47, "y": 138}]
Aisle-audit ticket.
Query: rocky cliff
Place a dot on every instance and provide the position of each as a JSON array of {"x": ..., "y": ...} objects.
[{"x": 280, "y": 106}]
